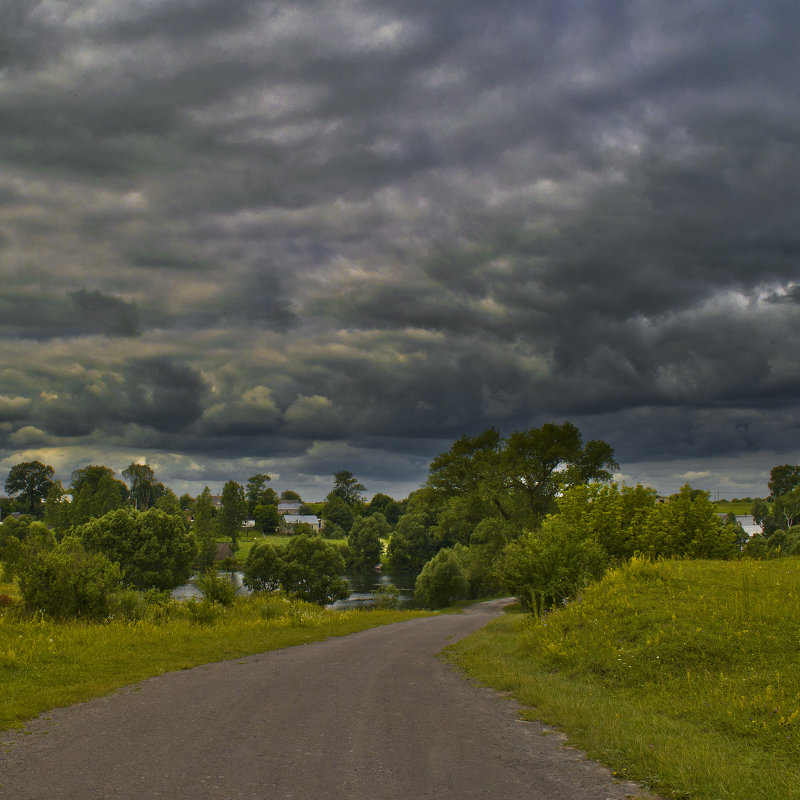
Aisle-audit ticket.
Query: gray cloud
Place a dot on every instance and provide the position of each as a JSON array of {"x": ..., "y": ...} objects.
[{"x": 315, "y": 232}]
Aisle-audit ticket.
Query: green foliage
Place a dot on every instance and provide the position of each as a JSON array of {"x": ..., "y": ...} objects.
[
  {"x": 337, "y": 511},
  {"x": 68, "y": 582},
  {"x": 611, "y": 516},
  {"x": 307, "y": 567},
  {"x": 782, "y": 479},
  {"x": 31, "y": 480},
  {"x": 267, "y": 518},
  {"x": 257, "y": 493},
  {"x": 330, "y": 530},
  {"x": 152, "y": 548},
  {"x": 311, "y": 569},
  {"x": 389, "y": 507},
  {"x": 262, "y": 569},
  {"x": 364, "y": 542},
  {"x": 348, "y": 488},
  {"x": 442, "y": 580},
  {"x": 548, "y": 566},
  {"x": 204, "y": 611},
  {"x": 57, "y": 511},
  {"x": 517, "y": 479},
  {"x": 686, "y": 525},
  {"x": 216, "y": 587},
  {"x": 411, "y": 545},
  {"x": 233, "y": 512},
  {"x": 205, "y": 529},
  {"x": 145, "y": 490},
  {"x": 20, "y": 539},
  {"x": 168, "y": 502},
  {"x": 387, "y": 596}
]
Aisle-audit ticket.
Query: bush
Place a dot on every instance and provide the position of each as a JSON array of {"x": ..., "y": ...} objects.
[
  {"x": 387, "y": 596},
  {"x": 274, "y": 608},
  {"x": 262, "y": 569},
  {"x": 216, "y": 588},
  {"x": 68, "y": 582},
  {"x": 546, "y": 567},
  {"x": 311, "y": 570},
  {"x": 204, "y": 611},
  {"x": 442, "y": 580},
  {"x": 153, "y": 549}
]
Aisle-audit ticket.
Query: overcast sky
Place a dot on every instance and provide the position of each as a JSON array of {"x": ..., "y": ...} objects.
[{"x": 242, "y": 236}]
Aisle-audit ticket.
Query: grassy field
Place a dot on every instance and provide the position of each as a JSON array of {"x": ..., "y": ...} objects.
[
  {"x": 45, "y": 665},
  {"x": 736, "y": 506},
  {"x": 682, "y": 675}
]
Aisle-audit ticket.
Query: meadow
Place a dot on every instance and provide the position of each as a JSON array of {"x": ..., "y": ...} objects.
[
  {"x": 44, "y": 665},
  {"x": 684, "y": 675}
]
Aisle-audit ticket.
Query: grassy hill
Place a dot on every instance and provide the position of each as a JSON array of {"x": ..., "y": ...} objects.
[{"x": 684, "y": 675}]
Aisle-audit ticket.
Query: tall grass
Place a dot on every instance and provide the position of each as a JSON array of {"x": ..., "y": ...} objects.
[
  {"x": 684, "y": 675},
  {"x": 44, "y": 664}
]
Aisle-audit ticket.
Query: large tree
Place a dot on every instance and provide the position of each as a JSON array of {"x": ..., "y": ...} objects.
[
  {"x": 311, "y": 569},
  {"x": 233, "y": 512},
  {"x": 31, "y": 480},
  {"x": 153, "y": 549},
  {"x": 256, "y": 492},
  {"x": 94, "y": 475},
  {"x": 518, "y": 478},
  {"x": 144, "y": 489},
  {"x": 205, "y": 528},
  {"x": 346, "y": 486},
  {"x": 782, "y": 479},
  {"x": 364, "y": 541}
]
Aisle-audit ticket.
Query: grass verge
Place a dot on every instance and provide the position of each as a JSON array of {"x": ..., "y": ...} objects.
[
  {"x": 684, "y": 675},
  {"x": 44, "y": 665}
]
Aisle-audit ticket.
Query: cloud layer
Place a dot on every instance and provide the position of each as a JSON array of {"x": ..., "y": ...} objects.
[{"x": 302, "y": 237}]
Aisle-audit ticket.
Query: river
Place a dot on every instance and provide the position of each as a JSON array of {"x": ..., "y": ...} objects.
[{"x": 363, "y": 588}]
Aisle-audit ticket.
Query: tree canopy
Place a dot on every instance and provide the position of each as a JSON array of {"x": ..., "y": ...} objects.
[
  {"x": 346, "y": 486},
  {"x": 31, "y": 480}
]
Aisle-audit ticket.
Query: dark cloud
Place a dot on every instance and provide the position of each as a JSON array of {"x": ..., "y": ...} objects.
[
  {"x": 82, "y": 313},
  {"x": 338, "y": 235}
]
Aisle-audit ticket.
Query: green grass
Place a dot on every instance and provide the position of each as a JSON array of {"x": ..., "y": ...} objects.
[
  {"x": 682, "y": 675},
  {"x": 45, "y": 665},
  {"x": 740, "y": 507}
]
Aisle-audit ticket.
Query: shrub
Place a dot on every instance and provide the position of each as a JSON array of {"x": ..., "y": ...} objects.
[
  {"x": 387, "y": 596},
  {"x": 216, "y": 588},
  {"x": 69, "y": 582},
  {"x": 153, "y": 549},
  {"x": 442, "y": 580},
  {"x": 546, "y": 567},
  {"x": 274, "y": 608},
  {"x": 311, "y": 570},
  {"x": 262, "y": 569},
  {"x": 204, "y": 611}
]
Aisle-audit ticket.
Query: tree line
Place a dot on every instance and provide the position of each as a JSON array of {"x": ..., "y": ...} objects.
[{"x": 535, "y": 513}]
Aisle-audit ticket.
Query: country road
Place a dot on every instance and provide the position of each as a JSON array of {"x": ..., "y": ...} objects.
[{"x": 372, "y": 716}]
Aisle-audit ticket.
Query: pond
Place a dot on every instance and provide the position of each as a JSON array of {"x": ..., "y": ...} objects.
[{"x": 363, "y": 588}]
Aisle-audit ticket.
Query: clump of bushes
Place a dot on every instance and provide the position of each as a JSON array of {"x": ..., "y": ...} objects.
[
  {"x": 69, "y": 582},
  {"x": 216, "y": 587}
]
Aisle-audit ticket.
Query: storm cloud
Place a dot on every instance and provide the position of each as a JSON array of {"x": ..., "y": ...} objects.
[{"x": 301, "y": 237}]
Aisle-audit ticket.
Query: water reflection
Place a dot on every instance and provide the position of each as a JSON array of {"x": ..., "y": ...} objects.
[{"x": 363, "y": 588}]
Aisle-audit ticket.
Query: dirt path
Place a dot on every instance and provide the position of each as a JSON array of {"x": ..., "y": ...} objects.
[{"x": 372, "y": 716}]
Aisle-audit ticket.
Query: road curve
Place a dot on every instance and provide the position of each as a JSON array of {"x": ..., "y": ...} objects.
[{"x": 371, "y": 716}]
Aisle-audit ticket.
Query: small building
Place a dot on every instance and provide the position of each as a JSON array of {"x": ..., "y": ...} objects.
[{"x": 287, "y": 508}]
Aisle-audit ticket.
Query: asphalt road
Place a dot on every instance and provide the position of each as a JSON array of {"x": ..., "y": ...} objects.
[{"x": 372, "y": 716}]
